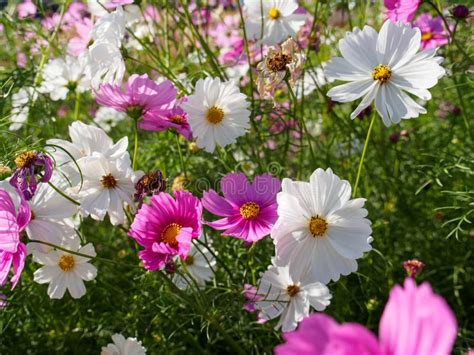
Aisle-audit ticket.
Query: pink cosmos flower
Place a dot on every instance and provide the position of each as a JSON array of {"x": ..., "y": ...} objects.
[
  {"x": 251, "y": 296},
  {"x": 173, "y": 118},
  {"x": 415, "y": 321},
  {"x": 432, "y": 31},
  {"x": 401, "y": 10},
  {"x": 142, "y": 97},
  {"x": 26, "y": 8},
  {"x": 14, "y": 216},
  {"x": 166, "y": 227},
  {"x": 79, "y": 43},
  {"x": 249, "y": 209}
]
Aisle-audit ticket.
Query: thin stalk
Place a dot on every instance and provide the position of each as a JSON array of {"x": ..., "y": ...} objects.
[
  {"x": 63, "y": 194},
  {"x": 76, "y": 106},
  {"x": 183, "y": 164},
  {"x": 366, "y": 144},
  {"x": 135, "y": 147},
  {"x": 82, "y": 254}
]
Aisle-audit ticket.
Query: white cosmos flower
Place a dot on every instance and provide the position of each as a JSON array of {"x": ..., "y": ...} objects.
[
  {"x": 51, "y": 216},
  {"x": 106, "y": 63},
  {"x": 105, "y": 59},
  {"x": 385, "y": 67},
  {"x": 107, "y": 118},
  {"x": 62, "y": 75},
  {"x": 21, "y": 101},
  {"x": 63, "y": 270},
  {"x": 217, "y": 113},
  {"x": 85, "y": 140},
  {"x": 200, "y": 264},
  {"x": 278, "y": 17},
  {"x": 320, "y": 231},
  {"x": 122, "y": 346},
  {"x": 108, "y": 185},
  {"x": 289, "y": 298}
]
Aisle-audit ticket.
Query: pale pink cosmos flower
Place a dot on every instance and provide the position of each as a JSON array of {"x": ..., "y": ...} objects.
[
  {"x": 166, "y": 227},
  {"x": 26, "y": 9},
  {"x": 15, "y": 214},
  {"x": 249, "y": 209},
  {"x": 251, "y": 296},
  {"x": 79, "y": 43},
  {"x": 172, "y": 117},
  {"x": 401, "y": 10},
  {"x": 415, "y": 321},
  {"x": 433, "y": 33},
  {"x": 141, "y": 97}
]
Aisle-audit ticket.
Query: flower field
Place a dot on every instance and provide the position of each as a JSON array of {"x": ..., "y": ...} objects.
[{"x": 245, "y": 177}]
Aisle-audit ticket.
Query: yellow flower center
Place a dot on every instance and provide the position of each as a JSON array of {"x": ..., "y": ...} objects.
[
  {"x": 215, "y": 115},
  {"x": 170, "y": 233},
  {"x": 66, "y": 263},
  {"x": 274, "y": 13},
  {"x": 426, "y": 36},
  {"x": 189, "y": 260},
  {"x": 318, "y": 226},
  {"x": 25, "y": 159},
  {"x": 292, "y": 290},
  {"x": 382, "y": 73},
  {"x": 177, "y": 119},
  {"x": 108, "y": 181},
  {"x": 249, "y": 210}
]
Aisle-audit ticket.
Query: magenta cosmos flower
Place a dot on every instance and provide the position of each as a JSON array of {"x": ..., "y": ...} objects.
[
  {"x": 31, "y": 167},
  {"x": 15, "y": 214},
  {"x": 401, "y": 10},
  {"x": 142, "y": 97},
  {"x": 174, "y": 118},
  {"x": 166, "y": 227},
  {"x": 249, "y": 209},
  {"x": 432, "y": 31},
  {"x": 415, "y": 321}
]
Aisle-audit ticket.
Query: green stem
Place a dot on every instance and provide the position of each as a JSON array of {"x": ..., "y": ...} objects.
[
  {"x": 366, "y": 144},
  {"x": 135, "y": 147},
  {"x": 63, "y": 194},
  {"x": 76, "y": 106},
  {"x": 183, "y": 164}
]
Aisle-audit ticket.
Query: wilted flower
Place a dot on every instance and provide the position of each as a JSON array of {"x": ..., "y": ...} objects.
[
  {"x": 30, "y": 166},
  {"x": 280, "y": 61},
  {"x": 413, "y": 266},
  {"x": 149, "y": 184}
]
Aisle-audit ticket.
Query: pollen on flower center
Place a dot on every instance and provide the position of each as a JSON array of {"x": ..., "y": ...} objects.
[
  {"x": 278, "y": 62},
  {"x": 66, "y": 263},
  {"x": 108, "y": 181},
  {"x": 215, "y": 115},
  {"x": 318, "y": 226},
  {"x": 249, "y": 210},
  {"x": 274, "y": 13},
  {"x": 170, "y": 233},
  {"x": 189, "y": 260},
  {"x": 382, "y": 73},
  {"x": 177, "y": 119},
  {"x": 25, "y": 159},
  {"x": 292, "y": 290},
  {"x": 426, "y": 36}
]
